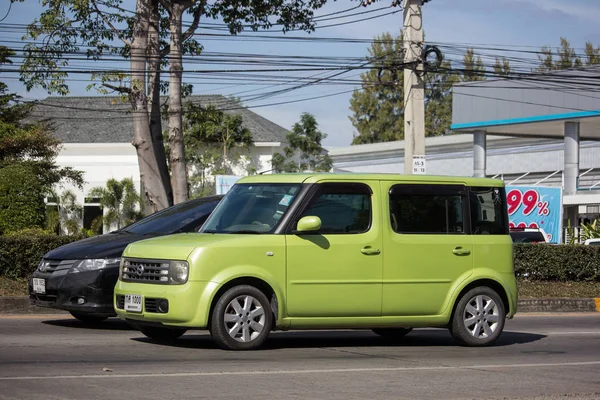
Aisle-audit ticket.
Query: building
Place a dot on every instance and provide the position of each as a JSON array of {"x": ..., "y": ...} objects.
[{"x": 97, "y": 131}]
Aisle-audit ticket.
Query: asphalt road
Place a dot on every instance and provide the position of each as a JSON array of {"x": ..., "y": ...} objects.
[{"x": 538, "y": 357}]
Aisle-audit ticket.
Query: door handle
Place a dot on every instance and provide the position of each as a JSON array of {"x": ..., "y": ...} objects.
[
  {"x": 368, "y": 250},
  {"x": 459, "y": 251}
]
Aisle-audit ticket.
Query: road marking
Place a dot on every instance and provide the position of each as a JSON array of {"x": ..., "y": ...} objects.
[
  {"x": 597, "y": 300},
  {"x": 300, "y": 371}
]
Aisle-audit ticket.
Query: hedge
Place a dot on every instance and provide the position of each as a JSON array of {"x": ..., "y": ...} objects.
[
  {"x": 558, "y": 263},
  {"x": 21, "y": 200},
  {"x": 21, "y": 253}
]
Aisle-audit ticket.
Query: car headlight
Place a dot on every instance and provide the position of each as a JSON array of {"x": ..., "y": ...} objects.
[
  {"x": 179, "y": 271},
  {"x": 94, "y": 264}
]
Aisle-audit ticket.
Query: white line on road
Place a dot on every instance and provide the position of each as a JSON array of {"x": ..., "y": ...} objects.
[{"x": 302, "y": 371}]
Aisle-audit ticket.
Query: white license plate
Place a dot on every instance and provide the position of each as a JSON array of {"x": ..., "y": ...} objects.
[
  {"x": 39, "y": 285},
  {"x": 133, "y": 302}
]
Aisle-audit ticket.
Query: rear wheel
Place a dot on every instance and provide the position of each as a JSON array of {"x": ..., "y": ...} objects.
[
  {"x": 88, "y": 318},
  {"x": 392, "y": 333},
  {"x": 161, "y": 334},
  {"x": 242, "y": 319},
  {"x": 478, "y": 318}
]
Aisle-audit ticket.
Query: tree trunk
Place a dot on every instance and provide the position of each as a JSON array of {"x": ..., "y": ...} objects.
[
  {"x": 142, "y": 137},
  {"x": 154, "y": 59},
  {"x": 177, "y": 154}
]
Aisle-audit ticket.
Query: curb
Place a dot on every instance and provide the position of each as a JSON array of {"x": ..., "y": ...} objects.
[{"x": 20, "y": 305}]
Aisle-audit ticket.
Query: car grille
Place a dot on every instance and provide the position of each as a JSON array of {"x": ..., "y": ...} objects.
[
  {"x": 58, "y": 265},
  {"x": 146, "y": 271}
]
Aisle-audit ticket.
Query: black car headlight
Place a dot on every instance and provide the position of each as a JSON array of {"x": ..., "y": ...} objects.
[{"x": 94, "y": 264}]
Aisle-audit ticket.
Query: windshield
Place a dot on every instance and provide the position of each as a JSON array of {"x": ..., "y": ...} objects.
[
  {"x": 184, "y": 217},
  {"x": 252, "y": 208}
]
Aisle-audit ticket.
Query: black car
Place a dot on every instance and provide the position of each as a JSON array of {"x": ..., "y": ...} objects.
[{"x": 80, "y": 277}]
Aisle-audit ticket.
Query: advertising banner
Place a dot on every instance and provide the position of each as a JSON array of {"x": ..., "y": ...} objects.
[{"x": 536, "y": 207}]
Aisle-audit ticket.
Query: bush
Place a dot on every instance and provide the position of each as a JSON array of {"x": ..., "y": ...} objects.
[
  {"x": 21, "y": 199},
  {"x": 560, "y": 263},
  {"x": 20, "y": 253}
]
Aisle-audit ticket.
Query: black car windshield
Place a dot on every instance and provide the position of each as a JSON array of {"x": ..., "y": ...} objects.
[
  {"x": 252, "y": 208},
  {"x": 183, "y": 217}
]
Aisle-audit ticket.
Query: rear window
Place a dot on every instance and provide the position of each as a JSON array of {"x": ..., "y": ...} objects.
[{"x": 489, "y": 215}]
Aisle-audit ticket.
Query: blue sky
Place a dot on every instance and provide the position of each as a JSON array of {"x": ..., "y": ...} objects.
[{"x": 519, "y": 23}]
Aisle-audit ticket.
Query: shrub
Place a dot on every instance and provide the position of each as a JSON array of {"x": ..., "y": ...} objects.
[
  {"x": 21, "y": 199},
  {"x": 20, "y": 253},
  {"x": 560, "y": 263}
]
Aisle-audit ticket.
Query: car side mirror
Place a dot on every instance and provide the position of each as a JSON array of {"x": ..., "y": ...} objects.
[{"x": 309, "y": 224}]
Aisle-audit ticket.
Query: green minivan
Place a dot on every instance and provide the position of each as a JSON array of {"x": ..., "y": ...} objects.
[{"x": 330, "y": 251}]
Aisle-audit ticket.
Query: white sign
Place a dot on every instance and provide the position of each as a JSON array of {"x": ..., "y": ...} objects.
[
  {"x": 419, "y": 165},
  {"x": 224, "y": 182}
]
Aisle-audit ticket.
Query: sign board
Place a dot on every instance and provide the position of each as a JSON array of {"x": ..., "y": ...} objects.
[
  {"x": 536, "y": 207},
  {"x": 224, "y": 182},
  {"x": 419, "y": 166}
]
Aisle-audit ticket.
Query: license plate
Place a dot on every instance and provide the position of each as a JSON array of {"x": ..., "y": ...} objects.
[
  {"x": 39, "y": 285},
  {"x": 133, "y": 302}
]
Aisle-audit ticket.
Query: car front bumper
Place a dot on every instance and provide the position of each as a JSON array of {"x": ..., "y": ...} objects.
[{"x": 89, "y": 292}]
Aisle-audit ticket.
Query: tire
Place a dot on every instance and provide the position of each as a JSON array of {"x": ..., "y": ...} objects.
[
  {"x": 478, "y": 319},
  {"x": 231, "y": 329},
  {"x": 392, "y": 333},
  {"x": 161, "y": 334},
  {"x": 88, "y": 318}
]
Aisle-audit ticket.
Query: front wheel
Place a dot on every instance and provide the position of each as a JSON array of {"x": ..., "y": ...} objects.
[
  {"x": 161, "y": 334},
  {"x": 241, "y": 319},
  {"x": 478, "y": 318}
]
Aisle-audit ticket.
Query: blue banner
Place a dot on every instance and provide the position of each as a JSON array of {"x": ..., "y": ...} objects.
[{"x": 536, "y": 207}]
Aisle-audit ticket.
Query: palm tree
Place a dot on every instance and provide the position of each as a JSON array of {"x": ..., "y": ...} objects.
[
  {"x": 120, "y": 202},
  {"x": 66, "y": 214}
]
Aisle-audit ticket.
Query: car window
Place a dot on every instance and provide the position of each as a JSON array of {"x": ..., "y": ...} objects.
[
  {"x": 527, "y": 237},
  {"x": 343, "y": 208},
  {"x": 422, "y": 209},
  {"x": 595, "y": 243},
  {"x": 488, "y": 211},
  {"x": 184, "y": 217}
]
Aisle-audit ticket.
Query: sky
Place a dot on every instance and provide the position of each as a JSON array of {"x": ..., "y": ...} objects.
[{"x": 481, "y": 23}]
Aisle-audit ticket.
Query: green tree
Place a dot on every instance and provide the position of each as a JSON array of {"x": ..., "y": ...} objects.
[
  {"x": 215, "y": 142},
  {"x": 592, "y": 54},
  {"x": 304, "y": 151},
  {"x": 438, "y": 101},
  {"x": 473, "y": 68},
  {"x": 27, "y": 159},
  {"x": 120, "y": 202},
  {"x": 151, "y": 37},
  {"x": 378, "y": 107},
  {"x": 567, "y": 57},
  {"x": 502, "y": 67},
  {"x": 65, "y": 215}
]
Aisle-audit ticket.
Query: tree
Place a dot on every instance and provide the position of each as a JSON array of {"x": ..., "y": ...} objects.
[
  {"x": 119, "y": 201},
  {"x": 27, "y": 160},
  {"x": 212, "y": 138},
  {"x": 65, "y": 215},
  {"x": 502, "y": 67},
  {"x": 68, "y": 25},
  {"x": 473, "y": 68},
  {"x": 378, "y": 107},
  {"x": 304, "y": 151},
  {"x": 438, "y": 100},
  {"x": 567, "y": 57}
]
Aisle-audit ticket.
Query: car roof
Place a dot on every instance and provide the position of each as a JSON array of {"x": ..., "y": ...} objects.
[{"x": 351, "y": 176}]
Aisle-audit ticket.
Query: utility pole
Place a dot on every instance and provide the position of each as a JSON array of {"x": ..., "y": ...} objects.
[{"x": 414, "y": 89}]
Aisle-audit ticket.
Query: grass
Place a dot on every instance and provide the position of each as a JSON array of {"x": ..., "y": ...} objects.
[{"x": 527, "y": 289}]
